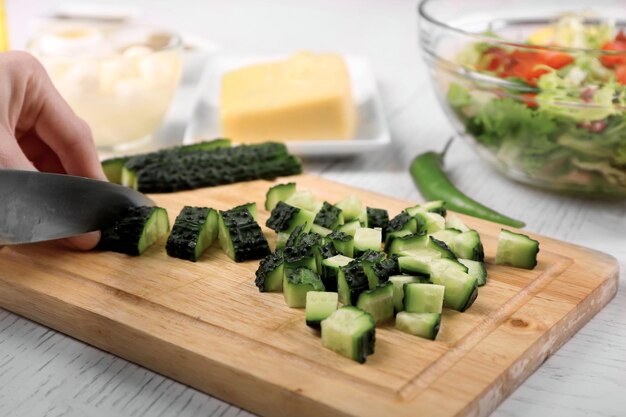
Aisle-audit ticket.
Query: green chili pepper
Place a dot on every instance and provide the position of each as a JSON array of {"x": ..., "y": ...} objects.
[{"x": 432, "y": 182}]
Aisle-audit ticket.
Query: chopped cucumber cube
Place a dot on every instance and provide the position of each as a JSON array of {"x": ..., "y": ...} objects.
[
  {"x": 297, "y": 283},
  {"x": 425, "y": 325},
  {"x": 423, "y": 298},
  {"x": 378, "y": 302},
  {"x": 319, "y": 306},
  {"x": 516, "y": 249},
  {"x": 279, "y": 192},
  {"x": 351, "y": 332},
  {"x": 477, "y": 270},
  {"x": 367, "y": 239}
]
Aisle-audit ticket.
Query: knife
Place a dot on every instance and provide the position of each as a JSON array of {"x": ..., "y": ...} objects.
[{"x": 36, "y": 206}]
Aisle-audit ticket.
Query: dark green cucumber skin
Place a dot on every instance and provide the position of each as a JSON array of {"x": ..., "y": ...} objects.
[
  {"x": 113, "y": 166},
  {"x": 281, "y": 217},
  {"x": 398, "y": 222},
  {"x": 371, "y": 257},
  {"x": 337, "y": 238},
  {"x": 185, "y": 232},
  {"x": 267, "y": 265},
  {"x": 328, "y": 251},
  {"x": 328, "y": 216},
  {"x": 445, "y": 250},
  {"x": 301, "y": 248},
  {"x": 368, "y": 343},
  {"x": 386, "y": 268},
  {"x": 378, "y": 218},
  {"x": 470, "y": 300},
  {"x": 137, "y": 162},
  {"x": 190, "y": 170},
  {"x": 356, "y": 279},
  {"x": 123, "y": 236},
  {"x": 246, "y": 235}
]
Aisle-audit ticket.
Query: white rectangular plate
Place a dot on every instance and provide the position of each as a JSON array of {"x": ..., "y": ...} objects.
[{"x": 372, "y": 130}]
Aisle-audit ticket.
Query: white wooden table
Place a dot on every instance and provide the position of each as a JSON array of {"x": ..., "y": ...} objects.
[{"x": 44, "y": 373}]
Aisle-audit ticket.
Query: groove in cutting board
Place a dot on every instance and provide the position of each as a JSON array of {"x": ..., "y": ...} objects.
[{"x": 206, "y": 325}]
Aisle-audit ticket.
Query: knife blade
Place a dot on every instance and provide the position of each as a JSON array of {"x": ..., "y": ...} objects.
[{"x": 36, "y": 206}]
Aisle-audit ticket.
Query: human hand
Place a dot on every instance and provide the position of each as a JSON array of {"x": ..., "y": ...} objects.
[{"x": 39, "y": 131}]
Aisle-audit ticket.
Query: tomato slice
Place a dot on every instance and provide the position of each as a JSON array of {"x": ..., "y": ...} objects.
[
  {"x": 620, "y": 74},
  {"x": 619, "y": 44},
  {"x": 556, "y": 60},
  {"x": 529, "y": 99}
]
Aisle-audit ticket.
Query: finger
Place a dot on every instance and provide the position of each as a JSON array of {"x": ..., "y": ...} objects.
[
  {"x": 64, "y": 132},
  {"x": 84, "y": 242},
  {"x": 11, "y": 155},
  {"x": 40, "y": 154}
]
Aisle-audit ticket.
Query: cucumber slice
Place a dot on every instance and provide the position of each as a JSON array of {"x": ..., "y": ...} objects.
[
  {"x": 454, "y": 222},
  {"x": 240, "y": 236},
  {"x": 304, "y": 200},
  {"x": 281, "y": 240},
  {"x": 297, "y": 283},
  {"x": 398, "y": 244},
  {"x": 467, "y": 245},
  {"x": 425, "y": 325},
  {"x": 461, "y": 288},
  {"x": 329, "y": 216},
  {"x": 330, "y": 270},
  {"x": 369, "y": 259},
  {"x": 113, "y": 168},
  {"x": 423, "y": 298},
  {"x": 351, "y": 282},
  {"x": 516, "y": 249},
  {"x": 435, "y": 222},
  {"x": 343, "y": 242},
  {"x": 391, "y": 236},
  {"x": 436, "y": 206},
  {"x": 319, "y": 306},
  {"x": 363, "y": 217},
  {"x": 446, "y": 236},
  {"x": 135, "y": 230},
  {"x": 300, "y": 250},
  {"x": 378, "y": 302},
  {"x": 251, "y": 207},
  {"x": 440, "y": 247},
  {"x": 350, "y": 227},
  {"x": 351, "y": 332},
  {"x": 194, "y": 230},
  {"x": 351, "y": 208},
  {"x": 367, "y": 239},
  {"x": 477, "y": 270},
  {"x": 385, "y": 269},
  {"x": 415, "y": 265},
  {"x": 402, "y": 221},
  {"x": 269, "y": 275},
  {"x": 285, "y": 218},
  {"x": 322, "y": 231},
  {"x": 279, "y": 192},
  {"x": 398, "y": 282},
  {"x": 377, "y": 218}
]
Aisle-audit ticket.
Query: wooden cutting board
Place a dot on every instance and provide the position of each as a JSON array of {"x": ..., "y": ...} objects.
[{"x": 205, "y": 324}]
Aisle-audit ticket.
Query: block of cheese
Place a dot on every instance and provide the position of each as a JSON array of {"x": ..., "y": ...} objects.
[{"x": 307, "y": 96}]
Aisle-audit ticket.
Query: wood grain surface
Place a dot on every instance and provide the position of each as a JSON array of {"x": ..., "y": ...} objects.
[{"x": 205, "y": 324}]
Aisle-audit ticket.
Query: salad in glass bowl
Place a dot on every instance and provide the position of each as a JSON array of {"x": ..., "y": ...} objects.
[{"x": 543, "y": 97}]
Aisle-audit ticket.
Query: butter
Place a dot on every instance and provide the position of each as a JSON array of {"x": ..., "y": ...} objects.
[{"x": 304, "y": 97}]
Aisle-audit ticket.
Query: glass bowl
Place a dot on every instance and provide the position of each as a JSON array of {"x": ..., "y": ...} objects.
[
  {"x": 538, "y": 88},
  {"x": 119, "y": 79}
]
